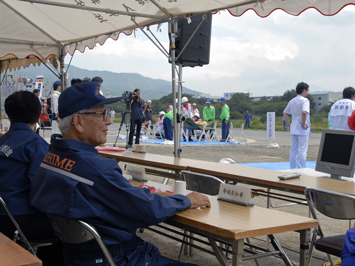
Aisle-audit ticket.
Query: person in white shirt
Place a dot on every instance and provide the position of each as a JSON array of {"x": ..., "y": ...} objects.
[
  {"x": 186, "y": 110},
  {"x": 55, "y": 116},
  {"x": 112, "y": 115},
  {"x": 299, "y": 108},
  {"x": 195, "y": 110},
  {"x": 159, "y": 127},
  {"x": 341, "y": 110}
]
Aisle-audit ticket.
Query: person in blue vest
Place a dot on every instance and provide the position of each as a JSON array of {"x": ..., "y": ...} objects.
[
  {"x": 21, "y": 153},
  {"x": 247, "y": 118},
  {"x": 75, "y": 182}
]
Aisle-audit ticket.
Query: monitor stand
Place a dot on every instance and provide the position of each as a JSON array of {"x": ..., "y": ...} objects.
[
  {"x": 313, "y": 172},
  {"x": 341, "y": 178}
]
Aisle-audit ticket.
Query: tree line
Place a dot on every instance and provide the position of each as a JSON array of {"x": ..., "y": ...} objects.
[{"x": 238, "y": 104}]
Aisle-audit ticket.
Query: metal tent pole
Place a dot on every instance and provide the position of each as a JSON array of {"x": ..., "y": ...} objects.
[{"x": 173, "y": 31}]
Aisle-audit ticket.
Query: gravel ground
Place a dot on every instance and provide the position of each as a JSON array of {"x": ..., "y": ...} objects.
[{"x": 244, "y": 154}]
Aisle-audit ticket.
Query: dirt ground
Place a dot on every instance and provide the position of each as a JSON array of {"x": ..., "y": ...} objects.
[
  {"x": 239, "y": 153},
  {"x": 244, "y": 154}
]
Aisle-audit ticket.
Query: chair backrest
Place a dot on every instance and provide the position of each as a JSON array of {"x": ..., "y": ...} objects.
[
  {"x": 77, "y": 232},
  {"x": 332, "y": 204},
  {"x": 22, "y": 235},
  {"x": 206, "y": 184}
]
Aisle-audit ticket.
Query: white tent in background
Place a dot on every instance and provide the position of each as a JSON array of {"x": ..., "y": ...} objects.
[{"x": 34, "y": 31}]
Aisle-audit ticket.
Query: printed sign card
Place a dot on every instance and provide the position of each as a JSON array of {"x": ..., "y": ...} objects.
[
  {"x": 138, "y": 148},
  {"x": 235, "y": 194},
  {"x": 137, "y": 172}
]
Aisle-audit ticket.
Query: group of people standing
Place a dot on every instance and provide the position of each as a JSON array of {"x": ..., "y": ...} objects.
[
  {"x": 300, "y": 128},
  {"x": 190, "y": 111}
]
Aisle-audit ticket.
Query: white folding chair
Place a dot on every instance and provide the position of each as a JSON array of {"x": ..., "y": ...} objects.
[
  {"x": 334, "y": 205},
  {"x": 242, "y": 135},
  {"x": 230, "y": 135},
  {"x": 214, "y": 135},
  {"x": 78, "y": 232}
]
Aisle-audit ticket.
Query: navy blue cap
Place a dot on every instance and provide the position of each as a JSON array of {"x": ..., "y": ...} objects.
[
  {"x": 208, "y": 101},
  {"x": 222, "y": 99},
  {"x": 82, "y": 96},
  {"x": 56, "y": 84}
]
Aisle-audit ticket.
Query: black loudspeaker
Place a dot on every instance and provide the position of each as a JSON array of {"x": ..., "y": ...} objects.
[{"x": 197, "y": 52}]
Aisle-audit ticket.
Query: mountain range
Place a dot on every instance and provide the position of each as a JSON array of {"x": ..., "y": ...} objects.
[{"x": 114, "y": 83}]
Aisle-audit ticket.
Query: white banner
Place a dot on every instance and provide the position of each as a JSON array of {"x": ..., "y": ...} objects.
[
  {"x": 270, "y": 125},
  {"x": 39, "y": 84}
]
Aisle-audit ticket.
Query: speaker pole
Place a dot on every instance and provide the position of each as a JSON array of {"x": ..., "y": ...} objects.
[{"x": 179, "y": 96}]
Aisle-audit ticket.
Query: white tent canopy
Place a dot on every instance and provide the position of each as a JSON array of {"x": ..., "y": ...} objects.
[
  {"x": 39, "y": 30},
  {"x": 31, "y": 29}
]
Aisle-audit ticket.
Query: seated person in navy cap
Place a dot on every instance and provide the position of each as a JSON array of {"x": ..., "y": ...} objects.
[{"x": 75, "y": 182}]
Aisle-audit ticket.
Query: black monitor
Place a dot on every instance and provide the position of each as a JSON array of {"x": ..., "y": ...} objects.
[{"x": 337, "y": 153}]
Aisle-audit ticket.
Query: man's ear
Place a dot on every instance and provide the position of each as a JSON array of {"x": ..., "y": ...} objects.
[{"x": 78, "y": 123}]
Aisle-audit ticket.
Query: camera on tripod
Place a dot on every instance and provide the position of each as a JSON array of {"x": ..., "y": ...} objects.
[{"x": 128, "y": 96}]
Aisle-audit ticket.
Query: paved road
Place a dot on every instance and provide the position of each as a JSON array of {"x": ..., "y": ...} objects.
[{"x": 253, "y": 137}]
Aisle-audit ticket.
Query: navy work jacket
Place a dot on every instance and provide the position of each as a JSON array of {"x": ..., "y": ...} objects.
[
  {"x": 75, "y": 182},
  {"x": 137, "y": 109},
  {"x": 21, "y": 153}
]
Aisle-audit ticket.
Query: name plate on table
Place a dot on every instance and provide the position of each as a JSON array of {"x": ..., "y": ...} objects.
[
  {"x": 137, "y": 172},
  {"x": 138, "y": 148},
  {"x": 235, "y": 194}
]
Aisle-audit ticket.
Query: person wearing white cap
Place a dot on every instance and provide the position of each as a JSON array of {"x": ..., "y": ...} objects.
[
  {"x": 186, "y": 109},
  {"x": 159, "y": 127},
  {"x": 195, "y": 110},
  {"x": 149, "y": 112},
  {"x": 171, "y": 106}
]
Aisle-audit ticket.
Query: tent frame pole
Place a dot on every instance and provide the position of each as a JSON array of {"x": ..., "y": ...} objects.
[{"x": 176, "y": 122}]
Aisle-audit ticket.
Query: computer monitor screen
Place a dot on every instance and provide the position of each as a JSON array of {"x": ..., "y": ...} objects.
[{"x": 336, "y": 153}]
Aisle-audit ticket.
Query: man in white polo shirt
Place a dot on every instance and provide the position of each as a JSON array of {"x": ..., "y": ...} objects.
[
  {"x": 299, "y": 108},
  {"x": 342, "y": 110}
]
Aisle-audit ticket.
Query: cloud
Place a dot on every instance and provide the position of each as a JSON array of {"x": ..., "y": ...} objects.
[{"x": 246, "y": 52}]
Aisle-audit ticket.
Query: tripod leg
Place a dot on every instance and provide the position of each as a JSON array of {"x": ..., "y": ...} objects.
[
  {"x": 119, "y": 130},
  {"x": 124, "y": 121}
]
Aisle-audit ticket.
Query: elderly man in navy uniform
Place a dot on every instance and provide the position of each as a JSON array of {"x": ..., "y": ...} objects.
[{"x": 75, "y": 182}]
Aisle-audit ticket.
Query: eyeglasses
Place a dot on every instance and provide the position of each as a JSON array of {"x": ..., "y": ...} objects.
[{"x": 104, "y": 114}]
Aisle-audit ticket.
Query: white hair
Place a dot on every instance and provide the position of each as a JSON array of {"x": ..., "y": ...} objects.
[{"x": 65, "y": 123}]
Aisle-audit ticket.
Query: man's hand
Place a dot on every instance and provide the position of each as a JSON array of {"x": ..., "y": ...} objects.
[
  {"x": 198, "y": 200},
  {"x": 305, "y": 126},
  {"x": 226, "y": 121}
]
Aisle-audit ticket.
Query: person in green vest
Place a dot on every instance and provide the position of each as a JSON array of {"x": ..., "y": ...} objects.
[
  {"x": 168, "y": 126},
  {"x": 225, "y": 115},
  {"x": 209, "y": 115}
]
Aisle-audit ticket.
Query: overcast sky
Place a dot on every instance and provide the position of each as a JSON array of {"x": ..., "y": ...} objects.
[{"x": 248, "y": 54}]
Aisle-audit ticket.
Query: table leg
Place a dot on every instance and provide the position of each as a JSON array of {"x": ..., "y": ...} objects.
[
  {"x": 237, "y": 252},
  {"x": 305, "y": 239}
]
